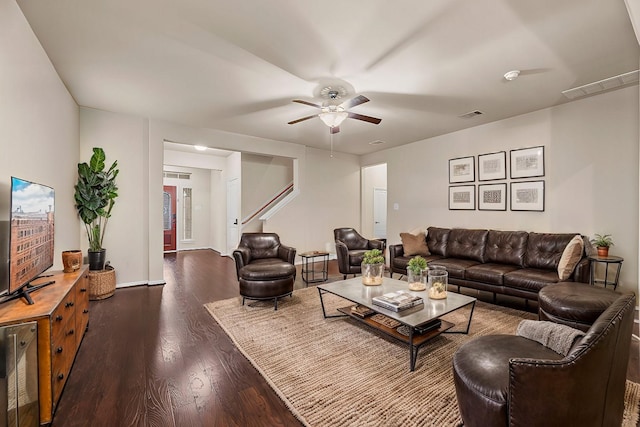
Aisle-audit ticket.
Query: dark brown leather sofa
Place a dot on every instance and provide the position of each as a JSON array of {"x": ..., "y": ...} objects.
[
  {"x": 510, "y": 380},
  {"x": 516, "y": 263},
  {"x": 265, "y": 267},
  {"x": 350, "y": 248}
]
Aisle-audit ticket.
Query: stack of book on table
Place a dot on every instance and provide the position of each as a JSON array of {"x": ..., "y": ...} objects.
[{"x": 397, "y": 301}]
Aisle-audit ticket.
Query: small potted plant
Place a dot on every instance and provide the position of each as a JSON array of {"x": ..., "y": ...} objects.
[
  {"x": 602, "y": 242},
  {"x": 372, "y": 267},
  {"x": 416, "y": 269}
]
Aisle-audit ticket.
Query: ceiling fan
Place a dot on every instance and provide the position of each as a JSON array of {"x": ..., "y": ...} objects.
[{"x": 334, "y": 114}]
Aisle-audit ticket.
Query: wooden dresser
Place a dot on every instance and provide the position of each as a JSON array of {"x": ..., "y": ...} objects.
[{"x": 61, "y": 311}]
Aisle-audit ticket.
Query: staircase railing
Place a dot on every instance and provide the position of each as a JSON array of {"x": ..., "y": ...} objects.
[{"x": 272, "y": 202}]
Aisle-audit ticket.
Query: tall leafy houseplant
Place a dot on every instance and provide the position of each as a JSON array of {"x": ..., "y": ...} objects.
[{"x": 95, "y": 195}]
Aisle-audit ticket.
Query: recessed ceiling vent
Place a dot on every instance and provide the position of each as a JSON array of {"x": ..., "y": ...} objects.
[
  {"x": 471, "y": 114},
  {"x": 625, "y": 79}
]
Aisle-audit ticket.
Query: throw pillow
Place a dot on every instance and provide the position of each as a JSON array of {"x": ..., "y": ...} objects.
[
  {"x": 557, "y": 337},
  {"x": 414, "y": 244},
  {"x": 570, "y": 257}
]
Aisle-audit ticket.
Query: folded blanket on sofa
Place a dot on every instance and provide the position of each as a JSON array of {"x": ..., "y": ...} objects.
[{"x": 559, "y": 338}]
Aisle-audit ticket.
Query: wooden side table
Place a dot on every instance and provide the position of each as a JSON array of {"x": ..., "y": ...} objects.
[
  {"x": 309, "y": 270},
  {"x": 615, "y": 260}
]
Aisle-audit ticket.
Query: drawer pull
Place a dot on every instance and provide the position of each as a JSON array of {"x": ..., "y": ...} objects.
[
  {"x": 59, "y": 350},
  {"x": 69, "y": 304},
  {"x": 59, "y": 317},
  {"x": 60, "y": 376},
  {"x": 83, "y": 289},
  {"x": 23, "y": 343},
  {"x": 85, "y": 311},
  {"x": 71, "y": 331}
]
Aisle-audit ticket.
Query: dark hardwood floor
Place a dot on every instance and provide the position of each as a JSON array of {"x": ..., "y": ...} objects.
[{"x": 153, "y": 356}]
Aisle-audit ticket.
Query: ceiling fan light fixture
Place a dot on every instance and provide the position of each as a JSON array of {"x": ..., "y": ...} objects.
[{"x": 333, "y": 118}]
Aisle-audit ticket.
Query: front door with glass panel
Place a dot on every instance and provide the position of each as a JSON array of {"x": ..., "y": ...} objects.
[{"x": 169, "y": 217}]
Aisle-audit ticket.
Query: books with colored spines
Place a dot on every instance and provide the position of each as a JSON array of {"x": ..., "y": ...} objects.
[{"x": 397, "y": 301}]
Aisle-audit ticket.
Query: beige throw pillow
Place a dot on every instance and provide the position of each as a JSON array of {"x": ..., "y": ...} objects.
[
  {"x": 570, "y": 257},
  {"x": 414, "y": 244}
]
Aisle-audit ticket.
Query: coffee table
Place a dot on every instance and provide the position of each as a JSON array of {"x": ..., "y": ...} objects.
[{"x": 354, "y": 291}]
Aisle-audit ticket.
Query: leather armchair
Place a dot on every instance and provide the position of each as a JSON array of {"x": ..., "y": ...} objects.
[
  {"x": 350, "y": 248},
  {"x": 509, "y": 380},
  {"x": 264, "y": 267}
]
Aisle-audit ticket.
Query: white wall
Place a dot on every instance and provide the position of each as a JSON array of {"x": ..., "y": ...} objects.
[
  {"x": 263, "y": 177},
  {"x": 123, "y": 138},
  {"x": 591, "y": 174},
  {"x": 38, "y": 125},
  {"x": 330, "y": 199}
]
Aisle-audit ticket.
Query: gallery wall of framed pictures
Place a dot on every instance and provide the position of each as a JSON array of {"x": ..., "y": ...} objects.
[{"x": 524, "y": 194}]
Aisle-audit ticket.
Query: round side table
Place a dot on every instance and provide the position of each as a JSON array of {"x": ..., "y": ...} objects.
[{"x": 616, "y": 260}]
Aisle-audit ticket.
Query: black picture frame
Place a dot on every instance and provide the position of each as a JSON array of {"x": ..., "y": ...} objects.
[
  {"x": 462, "y": 197},
  {"x": 462, "y": 169},
  {"x": 492, "y": 166},
  {"x": 527, "y": 162},
  {"x": 527, "y": 196},
  {"x": 492, "y": 197}
]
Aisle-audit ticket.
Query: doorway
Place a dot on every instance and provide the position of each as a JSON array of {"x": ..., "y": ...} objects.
[
  {"x": 169, "y": 217},
  {"x": 374, "y": 201},
  {"x": 233, "y": 214}
]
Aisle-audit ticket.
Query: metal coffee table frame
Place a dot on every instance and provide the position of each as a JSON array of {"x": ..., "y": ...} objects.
[{"x": 352, "y": 290}]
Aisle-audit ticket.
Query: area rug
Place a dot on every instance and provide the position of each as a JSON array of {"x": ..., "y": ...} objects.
[{"x": 333, "y": 372}]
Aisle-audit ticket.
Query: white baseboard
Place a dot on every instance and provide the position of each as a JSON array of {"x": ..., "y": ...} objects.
[
  {"x": 131, "y": 284},
  {"x": 156, "y": 282}
]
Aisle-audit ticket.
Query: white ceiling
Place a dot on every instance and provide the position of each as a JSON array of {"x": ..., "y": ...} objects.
[{"x": 235, "y": 65}]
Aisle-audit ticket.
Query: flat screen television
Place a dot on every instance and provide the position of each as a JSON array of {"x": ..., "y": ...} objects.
[{"x": 31, "y": 236}]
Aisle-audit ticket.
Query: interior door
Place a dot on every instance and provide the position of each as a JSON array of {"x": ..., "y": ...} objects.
[
  {"x": 169, "y": 217},
  {"x": 233, "y": 214},
  {"x": 380, "y": 213}
]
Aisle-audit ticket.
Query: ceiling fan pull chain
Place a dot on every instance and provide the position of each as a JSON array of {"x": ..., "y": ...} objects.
[{"x": 331, "y": 139}]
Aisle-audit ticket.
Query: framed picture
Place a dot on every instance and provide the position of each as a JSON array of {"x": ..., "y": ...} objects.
[
  {"x": 492, "y": 166},
  {"x": 462, "y": 170},
  {"x": 527, "y": 162},
  {"x": 462, "y": 197},
  {"x": 492, "y": 197},
  {"x": 527, "y": 196}
]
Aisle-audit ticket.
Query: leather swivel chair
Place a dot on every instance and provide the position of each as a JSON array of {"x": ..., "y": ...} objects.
[
  {"x": 265, "y": 267},
  {"x": 350, "y": 248},
  {"x": 510, "y": 380}
]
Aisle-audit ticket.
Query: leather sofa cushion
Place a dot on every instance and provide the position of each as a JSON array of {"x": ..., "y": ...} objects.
[
  {"x": 455, "y": 267},
  {"x": 489, "y": 273},
  {"x": 544, "y": 250},
  {"x": 467, "y": 244},
  {"x": 574, "y": 303},
  {"x": 402, "y": 261},
  {"x": 437, "y": 240},
  {"x": 356, "y": 255},
  {"x": 506, "y": 247},
  {"x": 267, "y": 270},
  {"x": 530, "y": 279},
  {"x": 413, "y": 244}
]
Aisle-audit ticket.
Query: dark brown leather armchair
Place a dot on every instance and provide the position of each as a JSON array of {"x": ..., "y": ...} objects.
[
  {"x": 265, "y": 267},
  {"x": 350, "y": 248},
  {"x": 509, "y": 380}
]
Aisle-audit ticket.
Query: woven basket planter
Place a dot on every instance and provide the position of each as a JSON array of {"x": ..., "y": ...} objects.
[{"x": 102, "y": 283}]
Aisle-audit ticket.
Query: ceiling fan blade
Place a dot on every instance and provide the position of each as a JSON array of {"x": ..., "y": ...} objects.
[
  {"x": 360, "y": 99},
  {"x": 335, "y": 129},
  {"x": 301, "y": 101},
  {"x": 365, "y": 118},
  {"x": 303, "y": 119}
]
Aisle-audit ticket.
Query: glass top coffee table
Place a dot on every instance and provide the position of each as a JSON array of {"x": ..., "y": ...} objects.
[{"x": 416, "y": 319}]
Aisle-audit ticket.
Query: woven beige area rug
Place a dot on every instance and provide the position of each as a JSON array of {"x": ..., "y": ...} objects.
[{"x": 336, "y": 372}]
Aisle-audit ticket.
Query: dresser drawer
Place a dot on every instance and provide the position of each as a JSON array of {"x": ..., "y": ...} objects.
[
  {"x": 63, "y": 314},
  {"x": 63, "y": 351},
  {"x": 82, "y": 308}
]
